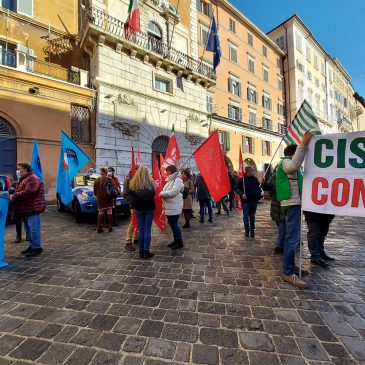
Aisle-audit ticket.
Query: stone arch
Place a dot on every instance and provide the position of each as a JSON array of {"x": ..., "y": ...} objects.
[
  {"x": 159, "y": 147},
  {"x": 250, "y": 162},
  {"x": 12, "y": 122},
  {"x": 152, "y": 17}
]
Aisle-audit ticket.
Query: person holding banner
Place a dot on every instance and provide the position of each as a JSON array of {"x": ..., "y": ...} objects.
[
  {"x": 142, "y": 190},
  {"x": 173, "y": 203},
  {"x": 29, "y": 203},
  {"x": 289, "y": 182}
]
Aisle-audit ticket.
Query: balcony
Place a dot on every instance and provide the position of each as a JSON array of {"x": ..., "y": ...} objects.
[
  {"x": 101, "y": 27},
  {"x": 26, "y": 62}
]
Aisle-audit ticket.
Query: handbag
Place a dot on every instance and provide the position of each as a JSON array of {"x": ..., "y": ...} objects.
[{"x": 111, "y": 189}]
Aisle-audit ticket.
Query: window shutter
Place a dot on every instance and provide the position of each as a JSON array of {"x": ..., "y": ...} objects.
[
  {"x": 255, "y": 97},
  {"x": 210, "y": 10},
  {"x": 263, "y": 100},
  {"x": 253, "y": 145},
  {"x": 239, "y": 89},
  {"x": 248, "y": 93},
  {"x": 229, "y": 85},
  {"x": 244, "y": 147},
  {"x": 25, "y": 7},
  {"x": 228, "y": 141},
  {"x": 263, "y": 147},
  {"x": 240, "y": 114},
  {"x": 230, "y": 112}
]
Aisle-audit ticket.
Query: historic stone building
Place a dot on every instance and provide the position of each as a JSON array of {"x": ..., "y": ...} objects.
[{"x": 147, "y": 82}]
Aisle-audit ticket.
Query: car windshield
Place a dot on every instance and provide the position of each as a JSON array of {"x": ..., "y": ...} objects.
[{"x": 86, "y": 180}]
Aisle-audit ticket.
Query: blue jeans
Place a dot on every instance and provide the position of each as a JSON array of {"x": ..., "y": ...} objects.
[
  {"x": 32, "y": 226},
  {"x": 173, "y": 222},
  {"x": 281, "y": 234},
  {"x": 292, "y": 238},
  {"x": 249, "y": 214},
  {"x": 202, "y": 204},
  {"x": 144, "y": 221}
]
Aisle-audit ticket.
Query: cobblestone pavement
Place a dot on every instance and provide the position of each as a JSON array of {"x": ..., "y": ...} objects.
[{"x": 220, "y": 300}]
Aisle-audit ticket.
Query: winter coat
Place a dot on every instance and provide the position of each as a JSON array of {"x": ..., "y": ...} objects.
[
  {"x": 188, "y": 201},
  {"x": 103, "y": 200},
  {"x": 202, "y": 192},
  {"x": 29, "y": 196},
  {"x": 318, "y": 217},
  {"x": 143, "y": 200},
  {"x": 251, "y": 188},
  {"x": 276, "y": 211},
  {"x": 172, "y": 194}
]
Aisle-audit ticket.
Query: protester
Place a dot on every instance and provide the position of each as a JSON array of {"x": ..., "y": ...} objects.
[
  {"x": 131, "y": 237},
  {"x": 203, "y": 197},
  {"x": 142, "y": 190},
  {"x": 29, "y": 203},
  {"x": 173, "y": 203},
  {"x": 289, "y": 181},
  {"x": 111, "y": 174},
  {"x": 276, "y": 212},
  {"x": 231, "y": 194},
  {"x": 104, "y": 201},
  {"x": 248, "y": 188},
  {"x": 318, "y": 226},
  {"x": 188, "y": 197}
]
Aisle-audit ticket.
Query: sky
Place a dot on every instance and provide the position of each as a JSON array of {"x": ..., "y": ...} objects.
[{"x": 338, "y": 25}]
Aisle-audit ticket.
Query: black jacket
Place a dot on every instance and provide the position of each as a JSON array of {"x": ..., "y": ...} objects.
[
  {"x": 202, "y": 192},
  {"x": 143, "y": 200},
  {"x": 318, "y": 217},
  {"x": 276, "y": 212},
  {"x": 251, "y": 188}
]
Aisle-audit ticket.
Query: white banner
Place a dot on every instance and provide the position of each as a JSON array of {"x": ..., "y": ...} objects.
[{"x": 334, "y": 175}]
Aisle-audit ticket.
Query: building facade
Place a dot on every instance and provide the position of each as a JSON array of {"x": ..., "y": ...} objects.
[
  {"x": 43, "y": 85},
  {"x": 147, "y": 82},
  {"x": 247, "y": 104}
]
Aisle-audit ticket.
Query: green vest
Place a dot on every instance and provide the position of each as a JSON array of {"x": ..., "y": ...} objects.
[{"x": 282, "y": 182}]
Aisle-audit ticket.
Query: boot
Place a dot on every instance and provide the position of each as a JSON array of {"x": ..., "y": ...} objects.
[
  {"x": 110, "y": 222},
  {"x": 147, "y": 254},
  {"x": 100, "y": 223},
  {"x": 186, "y": 225},
  {"x": 18, "y": 239},
  {"x": 141, "y": 254},
  {"x": 18, "y": 227},
  {"x": 129, "y": 246},
  {"x": 172, "y": 243},
  {"x": 178, "y": 244}
]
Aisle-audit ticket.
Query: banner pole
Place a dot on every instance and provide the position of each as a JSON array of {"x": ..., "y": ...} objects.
[{"x": 300, "y": 242}]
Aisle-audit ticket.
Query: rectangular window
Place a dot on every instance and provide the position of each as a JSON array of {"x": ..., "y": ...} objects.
[
  {"x": 25, "y": 7},
  {"x": 234, "y": 86},
  {"x": 316, "y": 81},
  {"x": 308, "y": 53},
  {"x": 248, "y": 145},
  {"x": 252, "y": 117},
  {"x": 250, "y": 39},
  {"x": 309, "y": 76},
  {"x": 281, "y": 42},
  {"x": 80, "y": 124},
  {"x": 281, "y": 108},
  {"x": 233, "y": 53},
  {"x": 300, "y": 66},
  {"x": 204, "y": 7},
  {"x": 251, "y": 64},
  {"x": 204, "y": 34},
  {"x": 323, "y": 87},
  {"x": 7, "y": 55},
  {"x": 163, "y": 85},
  {"x": 298, "y": 42},
  {"x": 316, "y": 66},
  {"x": 266, "y": 101},
  {"x": 264, "y": 51},
  {"x": 265, "y": 73},
  {"x": 8, "y": 4},
  {"x": 300, "y": 92},
  {"x": 266, "y": 148},
  {"x": 323, "y": 68},
  {"x": 280, "y": 83},
  {"x": 234, "y": 112},
  {"x": 252, "y": 94},
  {"x": 324, "y": 106},
  {"x": 232, "y": 25},
  {"x": 281, "y": 128},
  {"x": 267, "y": 123},
  {"x": 210, "y": 104}
]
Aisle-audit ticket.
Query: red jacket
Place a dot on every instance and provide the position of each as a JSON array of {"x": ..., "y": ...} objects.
[{"x": 29, "y": 196}]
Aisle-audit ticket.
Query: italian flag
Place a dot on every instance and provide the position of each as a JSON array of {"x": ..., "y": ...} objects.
[{"x": 133, "y": 22}]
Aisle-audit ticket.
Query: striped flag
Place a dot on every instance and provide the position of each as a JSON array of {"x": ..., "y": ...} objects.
[
  {"x": 132, "y": 23},
  {"x": 303, "y": 121}
]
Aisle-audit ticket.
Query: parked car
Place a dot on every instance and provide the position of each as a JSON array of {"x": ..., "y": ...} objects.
[
  {"x": 84, "y": 200},
  {"x": 5, "y": 184}
]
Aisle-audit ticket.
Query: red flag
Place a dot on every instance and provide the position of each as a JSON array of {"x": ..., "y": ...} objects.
[
  {"x": 172, "y": 153},
  {"x": 159, "y": 218},
  {"x": 210, "y": 160},
  {"x": 162, "y": 168},
  {"x": 240, "y": 164},
  {"x": 133, "y": 163},
  {"x": 134, "y": 218},
  {"x": 139, "y": 160}
]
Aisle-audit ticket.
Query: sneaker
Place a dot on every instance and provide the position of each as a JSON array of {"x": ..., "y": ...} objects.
[
  {"x": 278, "y": 251},
  {"x": 295, "y": 281},
  {"x": 34, "y": 252}
]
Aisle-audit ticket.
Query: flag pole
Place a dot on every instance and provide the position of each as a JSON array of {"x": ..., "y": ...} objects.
[
  {"x": 206, "y": 42},
  {"x": 267, "y": 169}
]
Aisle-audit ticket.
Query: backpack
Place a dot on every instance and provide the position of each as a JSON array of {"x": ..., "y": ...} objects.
[{"x": 111, "y": 189}]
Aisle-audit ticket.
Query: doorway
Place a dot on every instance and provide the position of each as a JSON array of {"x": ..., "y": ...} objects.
[{"x": 7, "y": 148}]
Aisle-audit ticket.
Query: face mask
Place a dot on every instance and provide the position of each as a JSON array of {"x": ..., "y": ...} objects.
[
  {"x": 110, "y": 173},
  {"x": 18, "y": 175}
]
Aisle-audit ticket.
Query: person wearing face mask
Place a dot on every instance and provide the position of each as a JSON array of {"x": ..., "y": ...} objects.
[
  {"x": 29, "y": 203},
  {"x": 111, "y": 172}
]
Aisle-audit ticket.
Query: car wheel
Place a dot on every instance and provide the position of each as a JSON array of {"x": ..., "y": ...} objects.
[
  {"x": 78, "y": 214},
  {"x": 60, "y": 207}
]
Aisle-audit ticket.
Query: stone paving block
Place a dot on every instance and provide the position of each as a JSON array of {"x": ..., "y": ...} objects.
[
  {"x": 292, "y": 360},
  {"x": 301, "y": 330},
  {"x": 311, "y": 317},
  {"x": 4, "y": 361},
  {"x": 355, "y": 322},
  {"x": 30, "y": 328},
  {"x": 188, "y": 318},
  {"x": 128, "y": 326},
  {"x": 207, "y": 320},
  {"x": 8, "y": 343},
  {"x": 160, "y": 348},
  {"x": 277, "y": 328},
  {"x": 256, "y": 341},
  {"x": 203, "y": 354},
  {"x": 119, "y": 309},
  {"x": 132, "y": 360},
  {"x": 233, "y": 357},
  {"x": 338, "y": 325},
  {"x": 66, "y": 334},
  {"x": 134, "y": 344},
  {"x": 140, "y": 312},
  {"x": 256, "y": 357},
  {"x": 288, "y": 315},
  {"x": 86, "y": 337},
  {"x": 177, "y": 332},
  {"x": 105, "y": 358},
  {"x": 81, "y": 356},
  {"x": 336, "y": 350},
  {"x": 110, "y": 341},
  {"x": 182, "y": 352},
  {"x": 285, "y": 345},
  {"x": 23, "y": 310},
  {"x": 211, "y": 308},
  {"x": 57, "y": 354},
  {"x": 11, "y": 324},
  {"x": 312, "y": 349},
  {"x": 103, "y": 322},
  {"x": 31, "y": 349},
  {"x": 355, "y": 346},
  {"x": 323, "y": 333},
  {"x": 151, "y": 329},
  {"x": 51, "y": 330},
  {"x": 218, "y": 337}
]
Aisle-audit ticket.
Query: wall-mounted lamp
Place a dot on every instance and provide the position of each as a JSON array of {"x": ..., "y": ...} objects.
[{"x": 33, "y": 90}]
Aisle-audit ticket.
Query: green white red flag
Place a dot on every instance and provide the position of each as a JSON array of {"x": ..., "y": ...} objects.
[{"x": 133, "y": 23}]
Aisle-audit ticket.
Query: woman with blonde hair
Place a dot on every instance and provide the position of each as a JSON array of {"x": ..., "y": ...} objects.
[{"x": 142, "y": 191}]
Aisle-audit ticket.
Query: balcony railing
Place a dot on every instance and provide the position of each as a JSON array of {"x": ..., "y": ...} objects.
[
  {"x": 116, "y": 27},
  {"x": 11, "y": 58}
]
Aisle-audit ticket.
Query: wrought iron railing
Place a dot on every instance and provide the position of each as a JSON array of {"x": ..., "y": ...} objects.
[
  {"x": 143, "y": 40},
  {"x": 9, "y": 58}
]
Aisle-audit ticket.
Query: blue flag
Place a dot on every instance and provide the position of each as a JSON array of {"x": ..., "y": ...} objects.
[
  {"x": 213, "y": 44},
  {"x": 36, "y": 161},
  {"x": 4, "y": 203},
  {"x": 72, "y": 160}
]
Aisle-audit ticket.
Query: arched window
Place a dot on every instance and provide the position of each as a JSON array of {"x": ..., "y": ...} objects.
[
  {"x": 6, "y": 129},
  {"x": 159, "y": 147},
  {"x": 154, "y": 31}
]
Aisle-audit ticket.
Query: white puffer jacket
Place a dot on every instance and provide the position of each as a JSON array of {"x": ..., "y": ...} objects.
[{"x": 172, "y": 194}]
